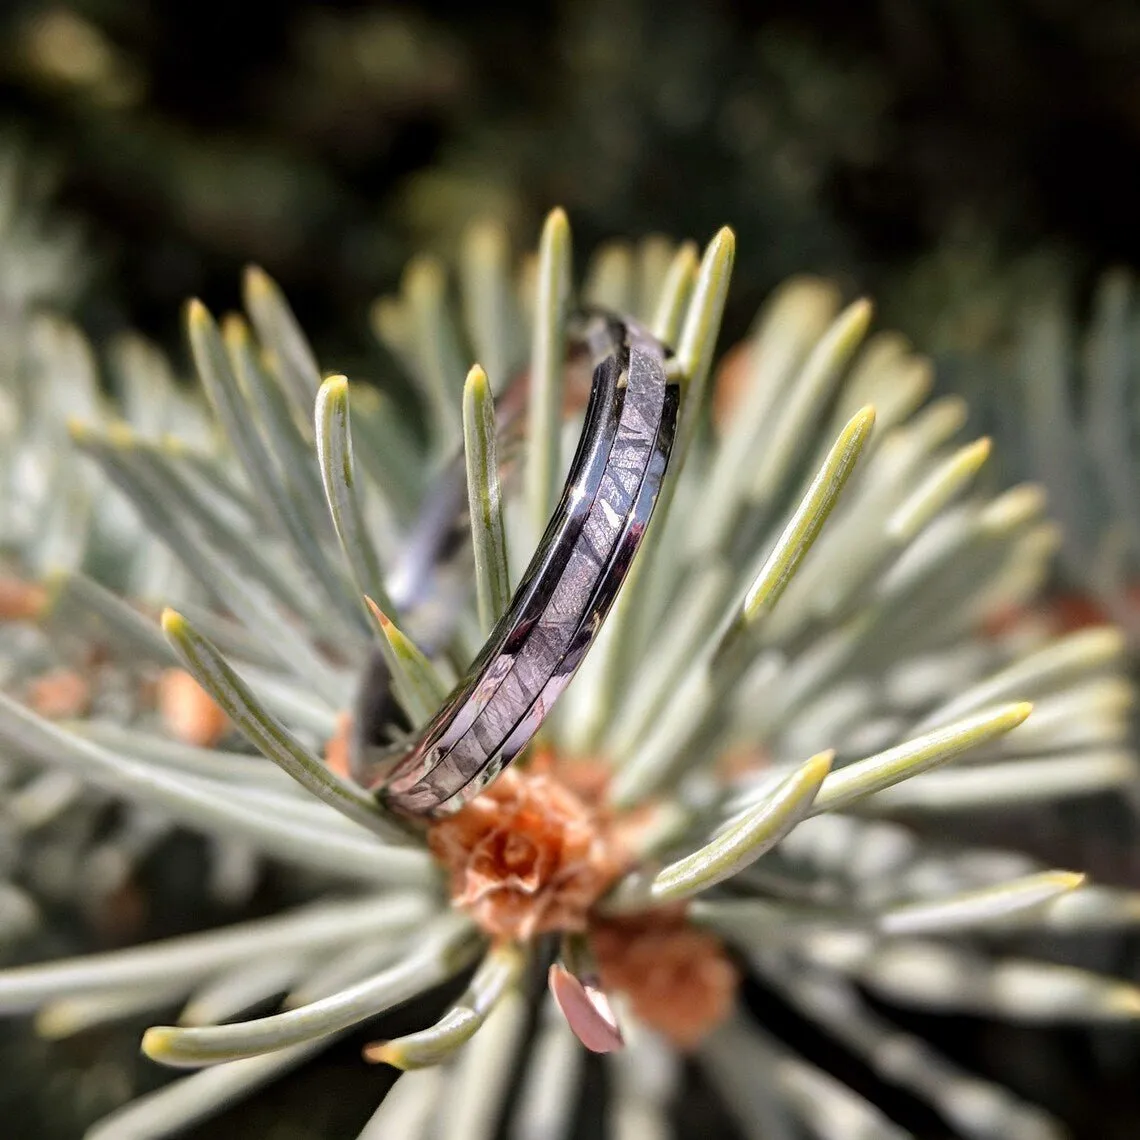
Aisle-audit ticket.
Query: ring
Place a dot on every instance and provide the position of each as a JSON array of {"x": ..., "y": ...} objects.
[{"x": 568, "y": 588}]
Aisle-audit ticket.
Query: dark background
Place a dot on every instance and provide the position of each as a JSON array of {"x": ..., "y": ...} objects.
[{"x": 326, "y": 140}]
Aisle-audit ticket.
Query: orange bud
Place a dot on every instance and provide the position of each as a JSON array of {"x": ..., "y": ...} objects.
[
  {"x": 20, "y": 600},
  {"x": 337, "y": 746},
  {"x": 60, "y": 694},
  {"x": 730, "y": 383},
  {"x": 188, "y": 712}
]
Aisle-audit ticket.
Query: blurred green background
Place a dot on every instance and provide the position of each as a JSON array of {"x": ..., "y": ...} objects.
[{"x": 918, "y": 149}]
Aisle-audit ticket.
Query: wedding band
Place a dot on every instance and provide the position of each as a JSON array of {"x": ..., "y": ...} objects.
[{"x": 569, "y": 586}]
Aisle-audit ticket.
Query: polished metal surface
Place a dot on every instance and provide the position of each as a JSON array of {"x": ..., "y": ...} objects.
[{"x": 566, "y": 592}]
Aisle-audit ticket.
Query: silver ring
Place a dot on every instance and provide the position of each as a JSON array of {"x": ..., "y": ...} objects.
[{"x": 568, "y": 588}]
